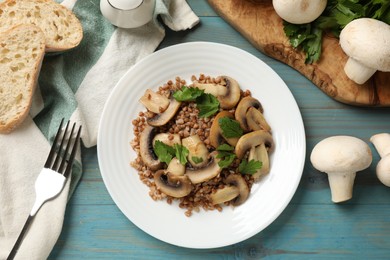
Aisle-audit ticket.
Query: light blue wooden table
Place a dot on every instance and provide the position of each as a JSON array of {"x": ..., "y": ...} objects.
[{"x": 311, "y": 227}]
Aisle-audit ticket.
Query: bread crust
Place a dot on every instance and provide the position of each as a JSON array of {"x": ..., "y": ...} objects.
[
  {"x": 61, "y": 27},
  {"x": 18, "y": 79}
]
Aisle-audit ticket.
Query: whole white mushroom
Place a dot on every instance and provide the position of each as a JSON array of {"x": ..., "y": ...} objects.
[
  {"x": 382, "y": 145},
  {"x": 341, "y": 157},
  {"x": 299, "y": 11},
  {"x": 367, "y": 43}
]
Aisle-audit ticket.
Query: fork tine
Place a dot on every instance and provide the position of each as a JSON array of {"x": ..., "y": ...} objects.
[
  {"x": 53, "y": 146},
  {"x": 73, "y": 154},
  {"x": 62, "y": 165},
  {"x": 58, "y": 156}
]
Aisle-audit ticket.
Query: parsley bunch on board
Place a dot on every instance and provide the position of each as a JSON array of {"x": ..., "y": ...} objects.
[{"x": 336, "y": 16}]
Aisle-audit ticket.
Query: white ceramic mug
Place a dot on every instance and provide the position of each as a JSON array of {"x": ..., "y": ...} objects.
[{"x": 128, "y": 13}]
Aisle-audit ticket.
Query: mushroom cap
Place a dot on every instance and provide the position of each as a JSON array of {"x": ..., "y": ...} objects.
[
  {"x": 164, "y": 117},
  {"x": 227, "y": 91},
  {"x": 383, "y": 170},
  {"x": 341, "y": 154},
  {"x": 299, "y": 11},
  {"x": 367, "y": 41},
  {"x": 148, "y": 156},
  {"x": 199, "y": 175},
  {"x": 172, "y": 185},
  {"x": 239, "y": 182},
  {"x": 242, "y": 108},
  {"x": 251, "y": 139},
  {"x": 233, "y": 93}
]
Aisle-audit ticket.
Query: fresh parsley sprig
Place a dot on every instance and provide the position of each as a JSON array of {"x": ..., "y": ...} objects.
[
  {"x": 249, "y": 167},
  {"x": 165, "y": 153},
  {"x": 181, "y": 153},
  {"x": 230, "y": 127},
  {"x": 188, "y": 94},
  {"x": 207, "y": 104},
  {"x": 226, "y": 155},
  {"x": 196, "y": 159}
]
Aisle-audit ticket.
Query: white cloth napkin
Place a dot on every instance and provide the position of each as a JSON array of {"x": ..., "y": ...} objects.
[{"x": 73, "y": 85}]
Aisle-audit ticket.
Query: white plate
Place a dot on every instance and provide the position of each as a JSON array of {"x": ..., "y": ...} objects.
[{"x": 209, "y": 229}]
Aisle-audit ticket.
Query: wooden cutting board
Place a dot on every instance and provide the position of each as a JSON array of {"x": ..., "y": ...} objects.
[{"x": 257, "y": 21}]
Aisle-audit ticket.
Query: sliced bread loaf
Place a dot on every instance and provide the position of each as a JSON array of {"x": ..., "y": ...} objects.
[
  {"x": 22, "y": 49},
  {"x": 62, "y": 29}
]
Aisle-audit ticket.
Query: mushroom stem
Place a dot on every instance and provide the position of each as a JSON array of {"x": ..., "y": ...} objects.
[
  {"x": 341, "y": 185},
  {"x": 358, "y": 72},
  {"x": 381, "y": 143}
]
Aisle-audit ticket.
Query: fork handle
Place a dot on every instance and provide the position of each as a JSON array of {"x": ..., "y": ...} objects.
[{"x": 20, "y": 238}]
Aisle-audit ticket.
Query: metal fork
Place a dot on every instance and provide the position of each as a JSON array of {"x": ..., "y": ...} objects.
[{"x": 51, "y": 179}]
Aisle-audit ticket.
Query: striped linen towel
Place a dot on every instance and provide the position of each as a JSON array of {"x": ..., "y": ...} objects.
[{"x": 73, "y": 85}]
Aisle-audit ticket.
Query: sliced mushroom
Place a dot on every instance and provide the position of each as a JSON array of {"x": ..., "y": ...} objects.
[
  {"x": 164, "y": 117},
  {"x": 176, "y": 168},
  {"x": 168, "y": 139},
  {"x": 242, "y": 109},
  {"x": 224, "y": 194},
  {"x": 256, "y": 120},
  {"x": 260, "y": 153},
  {"x": 174, "y": 186},
  {"x": 196, "y": 149},
  {"x": 146, "y": 148},
  {"x": 251, "y": 139},
  {"x": 216, "y": 138},
  {"x": 199, "y": 175},
  {"x": 238, "y": 181},
  {"x": 227, "y": 91},
  {"x": 211, "y": 88},
  {"x": 154, "y": 102}
]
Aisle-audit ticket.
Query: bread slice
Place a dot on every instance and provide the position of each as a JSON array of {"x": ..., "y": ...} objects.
[
  {"x": 22, "y": 49},
  {"x": 62, "y": 28}
]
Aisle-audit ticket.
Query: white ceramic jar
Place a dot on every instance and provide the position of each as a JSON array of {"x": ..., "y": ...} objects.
[{"x": 128, "y": 13}]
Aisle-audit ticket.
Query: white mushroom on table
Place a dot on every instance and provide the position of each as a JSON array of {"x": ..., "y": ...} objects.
[{"x": 341, "y": 157}]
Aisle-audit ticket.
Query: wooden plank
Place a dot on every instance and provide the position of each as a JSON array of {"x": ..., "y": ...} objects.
[
  {"x": 201, "y": 8},
  {"x": 258, "y": 22},
  {"x": 313, "y": 231}
]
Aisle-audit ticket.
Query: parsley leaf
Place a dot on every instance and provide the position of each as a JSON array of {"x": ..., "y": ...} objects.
[
  {"x": 207, "y": 104},
  {"x": 164, "y": 152},
  {"x": 226, "y": 155},
  {"x": 181, "y": 153},
  {"x": 250, "y": 167},
  {"x": 230, "y": 127},
  {"x": 226, "y": 159},
  {"x": 225, "y": 147},
  {"x": 196, "y": 159},
  {"x": 187, "y": 94},
  {"x": 313, "y": 47}
]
